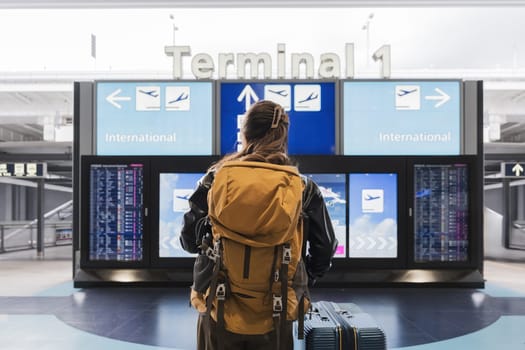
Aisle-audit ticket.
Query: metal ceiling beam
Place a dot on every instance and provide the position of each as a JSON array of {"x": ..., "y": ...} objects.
[
  {"x": 28, "y": 183},
  {"x": 500, "y": 150},
  {"x": 31, "y": 4},
  {"x": 21, "y": 157}
]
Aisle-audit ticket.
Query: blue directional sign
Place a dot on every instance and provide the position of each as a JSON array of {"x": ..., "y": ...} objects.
[
  {"x": 310, "y": 105},
  {"x": 513, "y": 169},
  {"x": 154, "y": 118},
  {"x": 402, "y": 117}
]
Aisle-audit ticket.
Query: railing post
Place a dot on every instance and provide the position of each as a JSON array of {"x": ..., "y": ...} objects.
[
  {"x": 40, "y": 218},
  {"x": 31, "y": 237},
  {"x": 2, "y": 245}
]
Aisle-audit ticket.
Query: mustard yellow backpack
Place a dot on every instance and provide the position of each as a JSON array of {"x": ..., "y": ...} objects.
[{"x": 258, "y": 278}]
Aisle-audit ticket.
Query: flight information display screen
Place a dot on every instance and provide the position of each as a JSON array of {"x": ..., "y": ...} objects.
[
  {"x": 333, "y": 189},
  {"x": 174, "y": 191},
  {"x": 372, "y": 214},
  {"x": 311, "y": 107},
  {"x": 115, "y": 212},
  {"x": 441, "y": 213}
]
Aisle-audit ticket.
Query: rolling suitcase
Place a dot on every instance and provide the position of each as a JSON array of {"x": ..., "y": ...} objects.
[{"x": 338, "y": 326}]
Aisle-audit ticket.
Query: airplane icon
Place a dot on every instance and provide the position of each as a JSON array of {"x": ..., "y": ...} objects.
[
  {"x": 423, "y": 193},
  {"x": 180, "y": 199},
  {"x": 282, "y": 93},
  {"x": 371, "y": 198},
  {"x": 183, "y": 96},
  {"x": 403, "y": 92},
  {"x": 310, "y": 97},
  {"x": 331, "y": 198},
  {"x": 152, "y": 93}
]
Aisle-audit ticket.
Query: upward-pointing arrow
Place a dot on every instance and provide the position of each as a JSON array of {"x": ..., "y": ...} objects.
[
  {"x": 517, "y": 169},
  {"x": 247, "y": 94}
]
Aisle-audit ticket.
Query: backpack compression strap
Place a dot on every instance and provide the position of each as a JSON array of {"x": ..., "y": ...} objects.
[
  {"x": 217, "y": 290},
  {"x": 280, "y": 302}
]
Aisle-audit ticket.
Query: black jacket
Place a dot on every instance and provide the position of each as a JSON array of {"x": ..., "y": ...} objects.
[{"x": 318, "y": 230}]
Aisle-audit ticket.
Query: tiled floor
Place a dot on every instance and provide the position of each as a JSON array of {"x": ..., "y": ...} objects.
[{"x": 40, "y": 309}]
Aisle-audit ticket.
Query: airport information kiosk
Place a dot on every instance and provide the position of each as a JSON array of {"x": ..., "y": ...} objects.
[{"x": 399, "y": 163}]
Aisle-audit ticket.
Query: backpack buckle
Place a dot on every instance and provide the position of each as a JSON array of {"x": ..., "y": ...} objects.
[
  {"x": 213, "y": 253},
  {"x": 210, "y": 253},
  {"x": 287, "y": 255},
  {"x": 221, "y": 291},
  {"x": 277, "y": 303}
]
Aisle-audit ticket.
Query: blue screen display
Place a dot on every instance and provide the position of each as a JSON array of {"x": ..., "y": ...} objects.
[
  {"x": 373, "y": 215},
  {"x": 174, "y": 192},
  {"x": 402, "y": 118},
  {"x": 333, "y": 189},
  {"x": 311, "y": 107},
  {"x": 154, "y": 118}
]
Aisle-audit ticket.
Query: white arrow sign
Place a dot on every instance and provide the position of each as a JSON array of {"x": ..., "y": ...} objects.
[
  {"x": 383, "y": 243},
  {"x": 517, "y": 169},
  {"x": 174, "y": 242},
  {"x": 393, "y": 243},
  {"x": 164, "y": 242},
  {"x": 247, "y": 94},
  {"x": 442, "y": 98},
  {"x": 112, "y": 98},
  {"x": 360, "y": 243},
  {"x": 372, "y": 243}
]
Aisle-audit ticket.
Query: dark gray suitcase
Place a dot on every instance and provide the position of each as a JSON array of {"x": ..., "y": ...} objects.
[{"x": 338, "y": 326}]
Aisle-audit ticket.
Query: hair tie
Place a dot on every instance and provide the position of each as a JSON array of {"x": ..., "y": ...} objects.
[{"x": 277, "y": 114}]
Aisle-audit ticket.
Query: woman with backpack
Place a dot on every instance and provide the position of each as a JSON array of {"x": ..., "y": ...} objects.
[{"x": 250, "y": 219}]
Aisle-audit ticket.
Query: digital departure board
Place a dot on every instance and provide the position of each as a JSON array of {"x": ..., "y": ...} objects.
[
  {"x": 333, "y": 189},
  {"x": 175, "y": 190},
  {"x": 373, "y": 215},
  {"x": 115, "y": 212},
  {"x": 441, "y": 212}
]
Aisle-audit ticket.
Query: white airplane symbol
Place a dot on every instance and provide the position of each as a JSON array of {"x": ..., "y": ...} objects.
[{"x": 331, "y": 197}]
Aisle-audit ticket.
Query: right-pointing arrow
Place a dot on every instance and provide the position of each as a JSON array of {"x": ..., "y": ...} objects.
[{"x": 442, "y": 98}]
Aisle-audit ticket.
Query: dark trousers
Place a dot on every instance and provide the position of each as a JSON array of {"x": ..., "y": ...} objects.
[{"x": 207, "y": 338}]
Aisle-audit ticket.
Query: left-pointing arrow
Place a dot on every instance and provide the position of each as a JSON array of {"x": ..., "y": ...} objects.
[{"x": 113, "y": 97}]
